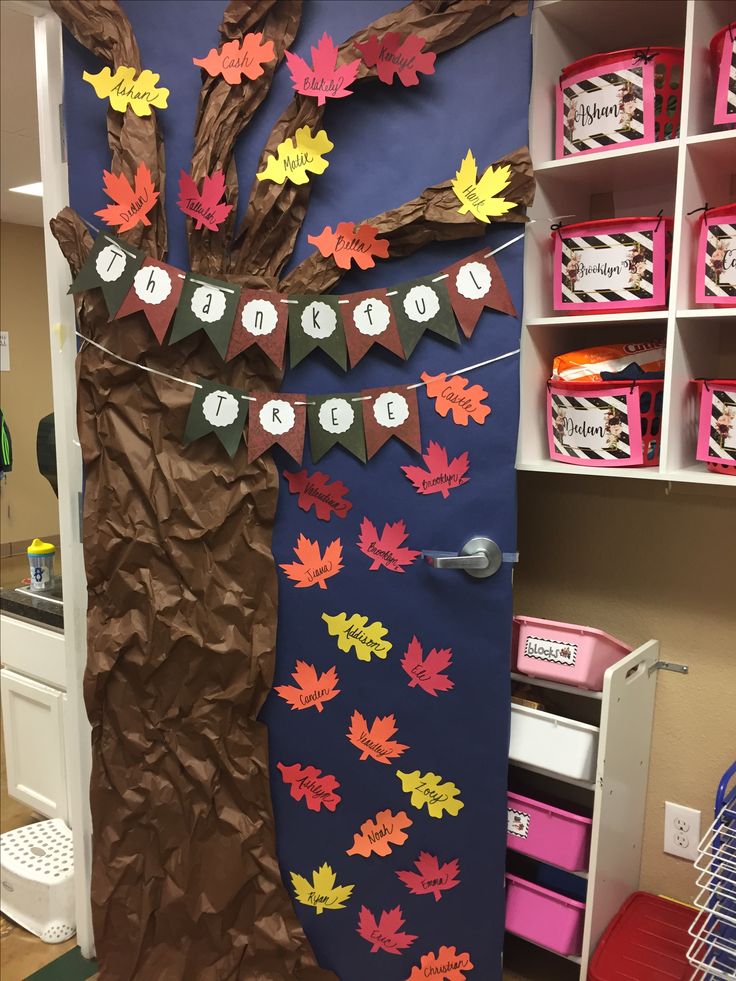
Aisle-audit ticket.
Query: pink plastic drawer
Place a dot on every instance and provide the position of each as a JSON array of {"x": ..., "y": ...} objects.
[
  {"x": 548, "y": 833},
  {"x": 567, "y": 652},
  {"x": 544, "y": 917}
]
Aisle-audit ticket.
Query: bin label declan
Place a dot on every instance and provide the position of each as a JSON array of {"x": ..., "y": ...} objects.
[
  {"x": 601, "y": 111},
  {"x": 595, "y": 428}
]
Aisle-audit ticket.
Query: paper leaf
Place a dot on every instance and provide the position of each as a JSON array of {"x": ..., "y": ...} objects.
[
  {"x": 311, "y": 690},
  {"x": 203, "y": 206},
  {"x": 454, "y": 395},
  {"x": 377, "y": 835},
  {"x": 446, "y": 964},
  {"x": 323, "y": 80},
  {"x": 308, "y": 784},
  {"x": 316, "y": 490},
  {"x": 440, "y": 477},
  {"x": 296, "y": 158},
  {"x": 377, "y": 741},
  {"x": 386, "y": 550},
  {"x": 397, "y": 55},
  {"x": 321, "y": 892},
  {"x": 481, "y": 198},
  {"x": 350, "y": 242},
  {"x": 427, "y": 672},
  {"x": 384, "y": 934},
  {"x": 238, "y": 58},
  {"x": 355, "y": 632},
  {"x": 429, "y": 789},
  {"x": 314, "y": 567},
  {"x": 431, "y": 877},
  {"x": 124, "y": 89},
  {"x": 132, "y": 204}
]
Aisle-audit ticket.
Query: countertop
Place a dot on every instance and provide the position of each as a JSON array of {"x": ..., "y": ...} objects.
[{"x": 32, "y": 607}]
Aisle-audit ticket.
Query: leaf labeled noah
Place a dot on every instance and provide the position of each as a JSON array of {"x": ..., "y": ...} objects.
[{"x": 378, "y": 834}]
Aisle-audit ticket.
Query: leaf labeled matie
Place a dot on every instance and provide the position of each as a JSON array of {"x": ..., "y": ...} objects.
[
  {"x": 298, "y": 157},
  {"x": 323, "y": 80}
]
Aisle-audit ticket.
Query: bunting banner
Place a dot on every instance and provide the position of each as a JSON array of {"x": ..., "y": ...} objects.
[
  {"x": 260, "y": 319},
  {"x": 316, "y": 321},
  {"x": 217, "y": 409},
  {"x": 156, "y": 290},
  {"x": 276, "y": 418},
  {"x": 209, "y": 305},
  {"x": 333, "y": 420},
  {"x": 110, "y": 266},
  {"x": 388, "y": 413}
]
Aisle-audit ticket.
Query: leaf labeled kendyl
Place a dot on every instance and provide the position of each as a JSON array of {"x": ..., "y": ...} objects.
[
  {"x": 350, "y": 243},
  {"x": 387, "y": 549},
  {"x": 456, "y": 395},
  {"x": 311, "y": 690},
  {"x": 324, "y": 80},
  {"x": 378, "y": 834},
  {"x": 317, "y": 491},
  {"x": 446, "y": 964},
  {"x": 429, "y": 788},
  {"x": 307, "y": 783},
  {"x": 439, "y": 475},
  {"x": 298, "y": 157},
  {"x": 384, "y": 933},
  {"x": 130, "y": 204},
  {"x": 204, "y": 206},
  {"x": 123, "y": 89},
  {"x": 427, "y": 672},
  {"x": 313, "y": 567},
  {"x": 432, "y": 877},
  {"x": 397, "y": 56},
  {"x": 322, "y": 893},
  {"x": 237, "y": 58},
  {"x": 481, "y": 197},
  {"x": 354, "y": 632},
  {"x": 376, "y": 741}
]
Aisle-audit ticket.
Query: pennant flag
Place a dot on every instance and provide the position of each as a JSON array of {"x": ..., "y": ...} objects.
[
  {"x": 209, "y": 304},
  {"x": 336, "y": 419},
  {"x": 423, "y": 305},
  {"x": 260, "y": 319},
  {"x": 316, "y": 321},
  {"x": 219, "y": 410},
  {"x": 474, "y": 283},
  {"x": 110, "y": 266},
  {"x": 276, "y": 418},
  {"x": 369, "y": 319},
  {"x": 156, "y": 290},
  {"x": 390, "y": 413}
]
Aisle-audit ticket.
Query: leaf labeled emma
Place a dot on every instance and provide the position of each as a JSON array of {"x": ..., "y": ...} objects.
[
  {"x": 378, "y": 834},
  {"x": 298, "y": 157},
  {"x": 376, "y": 741},
  {"x": 431, "y": 876},
  {"x": 308, "y": 784},
  {"x": 317, "y": 491},
  {"x": 204, "y": 206},
  {"x": 387, "y": 549},
  {"x": 456, "y": 395},
  {"x": 384, "y": 933},
  {"x": 481, "y": 197},
  {"x": 427, "y": 672},
  {"x": 430, "y": 789},
  {"x": 311, "y": 690},
  {"x": 439, "y": 475},
  {"x": 397, "y": 56},
  {"x": 446, "y": 964},
  {"x": 237, "y": 58},
  {"x": 324, "y": 80},
  {"x": 350, "y": 243},
  {"x": 354, "y": 632},
  {"x": 312, "y": 566},
  {"x": 130, "y": 204},
  {"x": 321, "y": 892}
]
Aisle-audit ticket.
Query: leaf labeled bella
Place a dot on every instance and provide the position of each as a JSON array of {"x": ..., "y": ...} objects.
[
  {"x": 378, "y": 834},
  {"x": 307, "y": 783},
  {"x": 446, "y": 964},
  {"x": 130, "y": 205},
  {"x": 384, "y": 933},
  {"x": 110, "y": 266},
  {"x": 204, "y": 206},
  {"x": 481, "y": 197},
  {"x": 238, "y": 58},
  {"x": 427, "y": 672},
  {"x": 311, "y": 690},
  {"x": 323, "y": 80},
  {"x": 397, "y": 56},
  {"x": 440, "y": 476},
  {"x": 313, "y": 567},
  {"x": 322, "y": 893},
  {"x": 298, "y": 157},
  {"x": 439, "y": 795},
  {"x": 317, "y": 491},
  {"x": 368, "y": 640},
  {"x": 376, "y": 742},
  {"x": 123, "y": 89},
  {"x": 350, "y": 243},
  {"x": 431, "y": 877},
  {"x": 458, "y": 396},
  {"x": 387, "y": 549}
]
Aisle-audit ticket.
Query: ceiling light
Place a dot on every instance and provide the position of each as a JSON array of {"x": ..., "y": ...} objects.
[{"x": 35, "y": 189}]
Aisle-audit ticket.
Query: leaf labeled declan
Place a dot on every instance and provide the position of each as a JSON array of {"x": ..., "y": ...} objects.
[
  {"x": 311, "y": 690},
  {"x": 441, "y": 475},
  {"x": 432, "y": 877},
  {"x": 236, "y": 59},
  {"x": 322, "y": 892},
  {"x": 324, "y": 80},
  {"x": 307, "y": 783},
  {"x": 350, "y": 243},
  {"x": 378, "y": 834},
  {"x": 368, "y": 640},
  {"x": 375, "y": 741},
  {"x": 384, "y": 933},
  {"x": 317, "y": 491},
  {"x": 386, "y": 550},
  {"x": 131, "y": 204},
  {"x": 314, "y": 567},
  {"x": 204, "y": 206},
  {"x": 427, "y": 672}
]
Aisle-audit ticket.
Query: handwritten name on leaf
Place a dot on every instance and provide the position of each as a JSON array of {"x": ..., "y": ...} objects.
[
  {"x": 297, "y": 158},
  {"x": 456, "y": 395},
  {"x": 318, "y": 491},
  {"x": 313, "y": 567},
  {"x": 440, "y": 476},
  {"x": 308, "y": 784},
  {"x": 376, "y": 742},
  {"x": 238, "y": 58},
  {"x": 427, "y": 672},
  {"x": 321, "y": 892},
  {"x": 397, "y": 55},
  {"x": 124, "y": 89},
  {"x": 481, "y": 198},
  {"x": 377, "y": 835},
  {"x": 431, "y": 877},
  {"x": 204, "y": 206},
  {"x": 387, "y": 549},
  {"x": 311, "y": 690},
  {"x": 354, "y": 632},
  {"x": 446, "y": 964},
  {"x": 350, "y": 243},
  {"x": 132, "y": 204},
  {"x": 384, "y": 933},
  {"x": 429, "y": 789},
  {"x": 324, "y": 80}
]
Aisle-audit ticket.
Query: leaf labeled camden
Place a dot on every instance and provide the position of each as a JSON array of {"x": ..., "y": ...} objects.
[
  {"x": 355, "y": 633},
  {"x": 384, "y": 933},
  {"x": 350, "y": 243},
  {"x": 123, "y": 89},
  {"x": 322, "y": 893},
  {"x": 317, "y": 491},
  {"x": 427, "y": 672},
  {"x": 446, "y": 964},
  {"x": 456, "y": 395},
  {"x": 432, "y": 877},
  {"x": 481, "y": 197},
  {"x": 237, "y": 58},
  {"x": 298, "y": 157},
  {"x": 324, "y": 80},
  {"x": 397, "y": 56},
  {"x": 311, "y": 690},
  {"x": 439, "y": 475},
  {"x": 130, "y": 205},
  {"x": 378, "y": 834},
  {"x": 313, "y": 567},
  {"x": 376, "y": 741},
  {"x": 387, "y": 549},
  {"x": 439, "y": 795},
  {"x": 307, "y": 783},
  {"x": 204, "y": 206}
]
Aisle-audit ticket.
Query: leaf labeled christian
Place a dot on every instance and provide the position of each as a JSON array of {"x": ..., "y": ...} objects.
[
  {"x": 432, "y": 877},
  {"x": 378, "y": 834},
  {"x": 311, "y": 690},
  {"x": 446, "y": 964},
  {"x": 368, "y": 640},
  {"x": 376, "y": 741}
]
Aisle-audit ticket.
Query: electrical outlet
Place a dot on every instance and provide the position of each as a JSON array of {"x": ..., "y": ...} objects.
[{"x": 681, "y": 831}]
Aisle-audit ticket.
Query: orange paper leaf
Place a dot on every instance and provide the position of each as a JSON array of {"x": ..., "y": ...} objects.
[
  {"x": 350, "y": 242},
  {"x": 314, "y": 567},
  {"x": 377, "y": 836},
  {"x": 311, "y": 690},
  {"x": 454, "y": 395},
  {"x": 375, "y": 742},
  {"x": 132, "y": 204},
  {"x": 446, "y": 964},
  {"x": 237, "y": 58}
]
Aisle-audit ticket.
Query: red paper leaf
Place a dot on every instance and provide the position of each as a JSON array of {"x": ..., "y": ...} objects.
[
  {"x": 388, "y": 549},
  {"x": 431, "y": 877},
  {"x": 455, "y": 395},
  {"x": 377, "y": 835},
  {"x": 323, "y": 80},
  {"x": 308, "y": 784},
  {"x": 317, "y": 490},
  {"x": 384, "y": 934},
  {"x": 440, "y": 477},
  {"x": 446, "y": 964},
  {"x": 397, "y": 54},
  {"x": 203, "y": 206},
  {"x": 314, "y": 567},
  {"x": 427, "y": 673},
  {"x": 377, "y": 741},
  {"x": 238, "y": 58},
  {"x": 350, "y": 242},
  {"x": 132, "y": 204},
  {"x": 311, "y": 690}
]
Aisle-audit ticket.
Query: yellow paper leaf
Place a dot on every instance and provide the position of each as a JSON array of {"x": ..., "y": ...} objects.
[
  {"x": 481, "y": 198},
  {"x": 321, "y": 892},
  {"x": 429, "y": 789},
  {"x": 124, "y": 90},
  {"x": 296, "y": 158},
  {"x": 355, "y": 632}
]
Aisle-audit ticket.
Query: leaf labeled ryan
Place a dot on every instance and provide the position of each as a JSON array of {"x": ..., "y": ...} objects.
[
  {"x": 321, "y": 892},
  {"x": 313, "y": 567},
  {"x": 324, "y": 80},
  {"x": 378, "y": 834},
  {"x": 446, "y": 964},
  {"x": 386, "y": 932},
  {"x": 204, "y": 206},
  {"x": 482, "y": 197},
  {"x": 311, "y": 690},
  {"x": 307, "y": 783},
  {"x": 350, "y": 243},
  {"x": 430, "y": 789},
  {"x": 366, "y": 639},
  {"x": 131, "y": 204},
  {"x": 456, "y": 395},
  {"x": 297, "y": 158},
  {"x": 440, "y": 476},
  {"x": 317, "y": 491},
  {"x": 387, "y": 549},
  {"x": 397, "y": 56},
  {"x": 432, "y": 877},
  {"x": 238, "y": 58},
  {"x": 376, "y": 742},
  {"x": 427, "y": 672}
]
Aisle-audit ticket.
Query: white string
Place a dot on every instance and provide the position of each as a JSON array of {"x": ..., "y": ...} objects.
[{"x": 472, "y": 367}]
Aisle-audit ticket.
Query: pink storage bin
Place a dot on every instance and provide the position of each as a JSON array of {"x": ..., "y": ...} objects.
[
  {"x": 717, "y": 424},
  {"x": 715, "y": 274},
  {"x": 544, "y": 917},
  {"x": 566, "y": 652},
  {"x": 547, "y": 833},
  {"x": 514, "y": 642},
  {"x": 723, "y": 62}
]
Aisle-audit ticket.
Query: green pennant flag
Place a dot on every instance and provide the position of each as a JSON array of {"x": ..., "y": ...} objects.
[
  {"x": 209, "y": 305},
  {"x": 336, "y": 419},
  {"x": 316, "y": 321},
  {"x": 423, "y": 305},
  {"x": 217, "y": 409},
  {"x": 110, "y": 266}
]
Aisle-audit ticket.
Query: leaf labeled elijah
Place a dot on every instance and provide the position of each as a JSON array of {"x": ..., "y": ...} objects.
[
  {"x": 324, "y": 80},
  {"x": 378, "y": 834},
  {"x": 354, "y": 632},
  {"x": 298, "y": 157},
  {"x": 311, "y": 690},
  {"x": 446, "y": 964},
  {"x": 430, "y": 789},
  {"x": 427, "y": 672},
  {"x": 321, "y": 892},
  {"x": 384, "y": 933},
  {"x": 482, "y": 197},
  {"x": 376, "y": 742},
  {"x": 431, "y": 877},
  {"x": 123, "y": 89},
  {"x": 204, "y": 206},
  {"x": 387, "y": 549},
  {"x": 312, "y": 566},
  {"x": 350, "y": 243},
  {"x": 308, "y": 784},
  {"x": 317, "y": 491},
  {"x": 441, "y": 475},
  {"x": 456, "y": 395},
  {"x": 397, "y": 56},
  {"x": 130, "y": 204},
  {"x": 237, "y": 58}
]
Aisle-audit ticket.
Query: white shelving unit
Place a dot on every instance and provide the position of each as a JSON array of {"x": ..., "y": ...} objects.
[
  {"x": 677, "y": 175},
  {"x": 619, "y": 791}
]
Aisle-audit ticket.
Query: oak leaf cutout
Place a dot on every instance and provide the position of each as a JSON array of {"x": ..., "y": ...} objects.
[
  {"x": 350, "y": 242},
  {"x": 397, "y": 55},
  {"x": 431, "y": 877},
  {"x": 384, "y": 933},
  {"x": 316, "y": 490},
  {"x": 429, "y": 789},
  {"x": 481, "y": 198},
  {"x": 323, "y": 80},
  {"x": 446, "y": 964},
  {"x": 132, "y": 204},
  {"x": 375, "y": 742},
  {"x": 321, "y": 892},
  {"x": 454, "y": 394},
  {"x": 440, "y": 476},
  {"x": 367, "y": 640},
  {"x": 124, "y": 89},
  {"x": 203, "y": 206},
  {"x": 296, "y": 159},
  {"x": 427, "y": 672},
  {"x": 378, "y": 834},
  {"x": 238, "y": 58},
  {"x": 311, "y": 690},
  {"x": 313, "y": 567},
  {"x": 308, "y": 784},
  {"x": 386, "y": 549}
]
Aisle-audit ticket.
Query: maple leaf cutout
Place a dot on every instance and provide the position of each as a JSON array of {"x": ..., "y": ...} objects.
[
  {"x": 388, "y": 549},
  {"x": 377, "y": 835},
  {"x": 431, "y": 877},
  {"x": 314, "y": 567},
  {"x": 397, "y": 55},
  {"x": 454, "y": 394},
  {"x": 355, "y": 632},
  {"x": 440, "y": 477},
  {"x": 480, "y": 198},
  {"x": 324, "y": 80},
  {"x": 384, "y": 934},
  {"x": 296, "y": 159},
  {"x": 427, "y": 673},
  {"x": 429, "y": 789},
  {"x": 321, "y": 892},
  {"x": 311, "y": 690},
  {"x": 316, "y": 490},
  {"x": 307, "y": 783},
  {"x": 350, "y": 242},
  {"x": 446, "y": 963},
  {"x": 237, "y": 58},
  {"x": 375, "y": 742},
  {"x": 132, "y": 204},
  {"x": 203, "y": 206}
]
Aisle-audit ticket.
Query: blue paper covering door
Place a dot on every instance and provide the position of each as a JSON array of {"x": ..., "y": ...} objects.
[{"x": 390, "y": 143}]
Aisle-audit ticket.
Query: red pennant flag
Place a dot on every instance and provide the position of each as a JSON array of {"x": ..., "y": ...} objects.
[
  {"x": 275, "y": 417},
  {"x": 474, "y": 283},
  {"x": 156, "y": 290},
  {"x": 261, "y": 318},
  {"x": 391, "y": 412},
  {"x": 369, "y": 319}
]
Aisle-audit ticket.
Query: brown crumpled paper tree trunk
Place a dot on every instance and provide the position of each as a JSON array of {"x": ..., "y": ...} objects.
[{"x": 181, "y": 580}]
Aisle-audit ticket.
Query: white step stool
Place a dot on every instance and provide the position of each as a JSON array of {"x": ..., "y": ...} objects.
[{"x": 37, "y": 879}]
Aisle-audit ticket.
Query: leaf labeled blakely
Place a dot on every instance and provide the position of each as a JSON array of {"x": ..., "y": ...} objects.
[
  {"x": 378, "y": 834},
  {"x": 324, "y": 80},
  {"x": 368, "y": 640}
]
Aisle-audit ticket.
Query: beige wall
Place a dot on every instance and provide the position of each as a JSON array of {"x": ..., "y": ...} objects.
[
  {"x": 28, "y": 506},
  {"x": 632, "y": 559}
]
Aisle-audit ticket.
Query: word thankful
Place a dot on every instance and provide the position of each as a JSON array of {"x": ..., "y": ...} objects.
[{"x": 586, "y": 113}]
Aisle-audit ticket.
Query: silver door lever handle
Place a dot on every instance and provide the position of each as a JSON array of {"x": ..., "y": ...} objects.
[{"x": 480, "y": 557}]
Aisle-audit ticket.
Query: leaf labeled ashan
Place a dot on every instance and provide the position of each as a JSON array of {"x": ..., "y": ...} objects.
[
  {"x": 124, "y": 89},
  {"x": 432, "y": 877},
  {"x": 427, "y": 672},
  {"x": 368, "y": 640},
  {"x": 307, "y": 783},
  {"x": 387, "y": 549},
  {"x": 318, "y": 491},
  {"x": 312, "y": 566},
  {"x": 384, "y": 933},
  {"x": 430, "y": 789},
  {"x": 440, "y": 476},
  {"x": 378, "y": 834},
  {"x": 376, "y": 741},
  {"x": 311, "y": 690},
  {"x": 321, "y": 892}
]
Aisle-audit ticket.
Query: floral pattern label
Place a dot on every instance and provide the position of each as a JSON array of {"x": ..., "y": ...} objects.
[
  {"x": 551, "y": 650},
  {"x": 603, "y": 110},
  {"x": 517, "y": 823}
]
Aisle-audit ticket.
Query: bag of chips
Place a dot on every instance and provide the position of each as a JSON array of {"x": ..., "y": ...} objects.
[{"x": 647, "y": 357}]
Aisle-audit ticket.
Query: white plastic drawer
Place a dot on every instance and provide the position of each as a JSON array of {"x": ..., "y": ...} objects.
[
  {"x": 33, "y": 651},
  {"x": 553, "y": 743}
]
